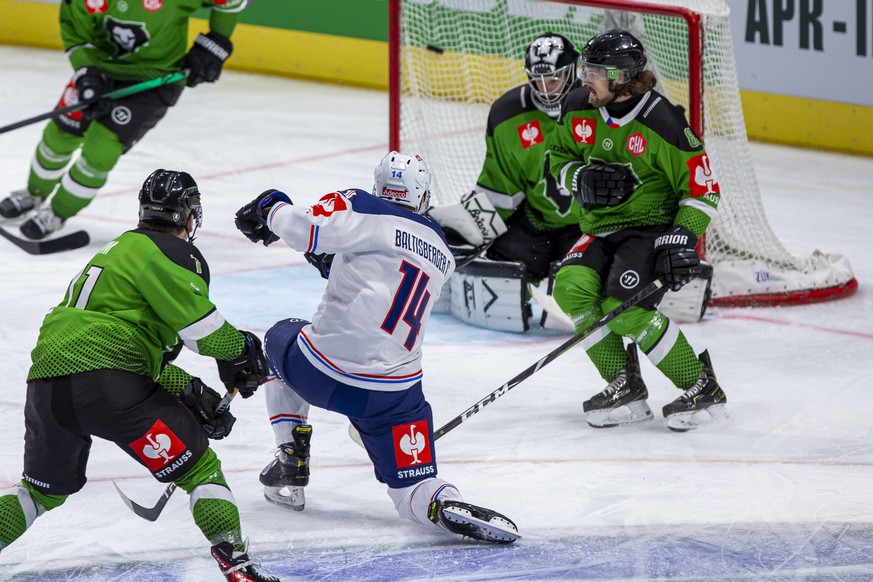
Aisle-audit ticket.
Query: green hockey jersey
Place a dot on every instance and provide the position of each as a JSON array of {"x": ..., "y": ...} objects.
[
  {"x": 137, "y": 40},
  {"x": 516, "y": 163},
  {"x": 131, "y": 305},
  {"x": 675, "y": 181}
]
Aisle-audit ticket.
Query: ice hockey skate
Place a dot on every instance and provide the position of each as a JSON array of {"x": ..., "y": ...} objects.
[
  {"x": 623, "y": 401},
  {"x": 286, "y": 475},
  {"x": 17, "y": 203},
  {"x": 702, "y": 404},
  {"x": 41, "y": 224},
  {"x": 236, "y": 566},
  {"x": 473, "y": 521}
]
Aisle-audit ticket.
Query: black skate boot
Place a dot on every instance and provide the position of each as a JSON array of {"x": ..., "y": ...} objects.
[
  {"x": 41, "y": 224},
  {"x": 623, "y": 401},
  {"x": 703, "y": 403},
  {"x": 286, "y": 475},
  {"x": 17, "y": 203},
  {"x": 473, "y": 521},
  {"x": 236, "y": 566}
]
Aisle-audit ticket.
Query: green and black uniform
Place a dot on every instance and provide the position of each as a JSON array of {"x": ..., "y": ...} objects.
[
  {"x": 541, "y": 218},
  {"x": 675, "y": 186},
  {"x": 101, "y": 368},
  {"x": 129, "y": 42}
]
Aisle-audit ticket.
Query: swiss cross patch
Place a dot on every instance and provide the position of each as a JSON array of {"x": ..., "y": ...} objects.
[
  {"x": 636, "y": 144},
  {"x": 96, "y": 6},
  {"x": 702, "y": 179},
  {"x": 158, "y": 447},
  {"x": 328, "y": 204},
  {"x": 530, "y": 134},
  {"x": 152, "y": 5},
  {"x": 410, "y": 444}
]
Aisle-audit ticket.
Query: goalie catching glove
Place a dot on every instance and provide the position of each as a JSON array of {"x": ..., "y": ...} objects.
[
  {"x": 599, "y": 184},
  {"x": 248, "y": 370},
  {"x": 251, "y": 219},
  {"x": 676, "y": 260},
  {"x": 202, "y": 401}
]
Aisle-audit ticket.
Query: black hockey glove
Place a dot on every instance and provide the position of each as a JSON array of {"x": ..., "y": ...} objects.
[
  {"x": 248, "y": 370},
  {"x": 91, "y": 83},
  {"x": 321, "y": 261},
  {"x": 202, "y": 401},
  {"x": 676, "y": 259},
  {"x": 599, "y": 184},
  {"x": 206, "y": 57},
  {"x": 251, "y": 219}
]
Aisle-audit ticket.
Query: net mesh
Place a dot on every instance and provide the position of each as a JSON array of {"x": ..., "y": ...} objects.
[{"x": 457, "y": 57}]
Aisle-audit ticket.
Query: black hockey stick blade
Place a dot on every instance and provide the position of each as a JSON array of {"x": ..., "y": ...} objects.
[
  {"x": 66, "y": 242},
  {"x": 649, "y": 290},
  {"x": 149, "y": 513}
]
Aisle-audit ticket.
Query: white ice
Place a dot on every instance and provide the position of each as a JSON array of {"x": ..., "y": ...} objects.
[{"x": 782, "y": 492}]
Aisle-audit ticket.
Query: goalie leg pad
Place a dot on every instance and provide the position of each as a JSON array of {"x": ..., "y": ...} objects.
[
  {"x": 491, "y": 294},
  {"x": 474, "y": 219}
]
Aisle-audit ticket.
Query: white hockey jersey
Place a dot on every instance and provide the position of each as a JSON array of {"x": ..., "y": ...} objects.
[{"x": 389, "y": 268}]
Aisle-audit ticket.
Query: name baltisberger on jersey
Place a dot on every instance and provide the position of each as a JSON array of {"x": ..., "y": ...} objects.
[{"x": 410, "y": 242}]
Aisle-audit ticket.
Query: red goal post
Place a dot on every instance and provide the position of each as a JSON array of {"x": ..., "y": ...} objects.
[{"x": 450, "y": 59}]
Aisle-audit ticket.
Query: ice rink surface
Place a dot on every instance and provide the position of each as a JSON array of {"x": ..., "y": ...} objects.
[{"x": 783, "y": 492}]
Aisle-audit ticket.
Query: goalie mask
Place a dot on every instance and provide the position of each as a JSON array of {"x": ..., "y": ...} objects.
[
  {"x": 170, "y": 197},
  {"x": 403, "y": 179},
  {"x": 550, "y": 65},
  {"x": 615, "y": 54}
]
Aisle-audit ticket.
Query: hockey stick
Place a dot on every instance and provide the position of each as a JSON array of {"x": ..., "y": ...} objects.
[
  {"x": 649, "y": 290},
  {"x": 152, "y": 513},
  {"x": 112, "y": 95}
]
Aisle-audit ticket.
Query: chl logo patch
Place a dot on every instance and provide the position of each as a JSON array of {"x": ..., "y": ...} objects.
[
  {"x": 328, "y": 204},
  {"x": 583, "y": 130},
  {"x": 636, "y": 144},
  {"x": 702, "y": 180},
  {"x": 158, "y": 447},
  {"x": 530, "y": 134},
  {"x": 152, "y": 5},
  {"x": 410, "y": 444}
]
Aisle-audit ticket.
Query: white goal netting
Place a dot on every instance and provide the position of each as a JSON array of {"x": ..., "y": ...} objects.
[{"x": 457, "y": 56}]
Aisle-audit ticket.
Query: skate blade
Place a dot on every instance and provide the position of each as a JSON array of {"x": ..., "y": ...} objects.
[
  {"x": 633, "y": 413},
  {"x": 495, "y": 531},
  {"x": 291, "y": 497},
  {"x": 686, "y": 421}
]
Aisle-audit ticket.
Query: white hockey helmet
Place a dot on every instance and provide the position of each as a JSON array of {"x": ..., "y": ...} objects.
[{"x": 403, "y": 179}]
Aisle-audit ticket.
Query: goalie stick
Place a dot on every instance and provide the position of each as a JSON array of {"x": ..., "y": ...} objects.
[
  {"x": 152, "y": 513},
  {"x": 649, "y": 290},
  {"x": 67, "y": 242}
]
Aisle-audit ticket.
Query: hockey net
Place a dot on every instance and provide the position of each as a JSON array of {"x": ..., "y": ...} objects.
[{"x": 450, "y": 59}]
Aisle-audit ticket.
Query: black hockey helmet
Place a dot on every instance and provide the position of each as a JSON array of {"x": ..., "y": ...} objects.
[
  {"x": 170, "y": 197},
  {"x": 619, "y": 52},
  {"x": 551, "y": 56}
]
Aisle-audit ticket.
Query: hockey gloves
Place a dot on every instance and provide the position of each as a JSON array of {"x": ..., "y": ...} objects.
[
  {"x": 91, "y": 83},
  {"x": 248, "y": 370},
  {"x": 321, "y": 261},
  {"x": 251, "y": 219},
  {"x": 206, "y": 57},
  {"x": 676, "y": 259},
  {"x": 600, "y": 184},
  {"x": 202, "y": 401}
]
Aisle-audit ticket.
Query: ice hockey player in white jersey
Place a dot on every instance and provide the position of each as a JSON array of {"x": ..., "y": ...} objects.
[{"x": 361, "y": 354}]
